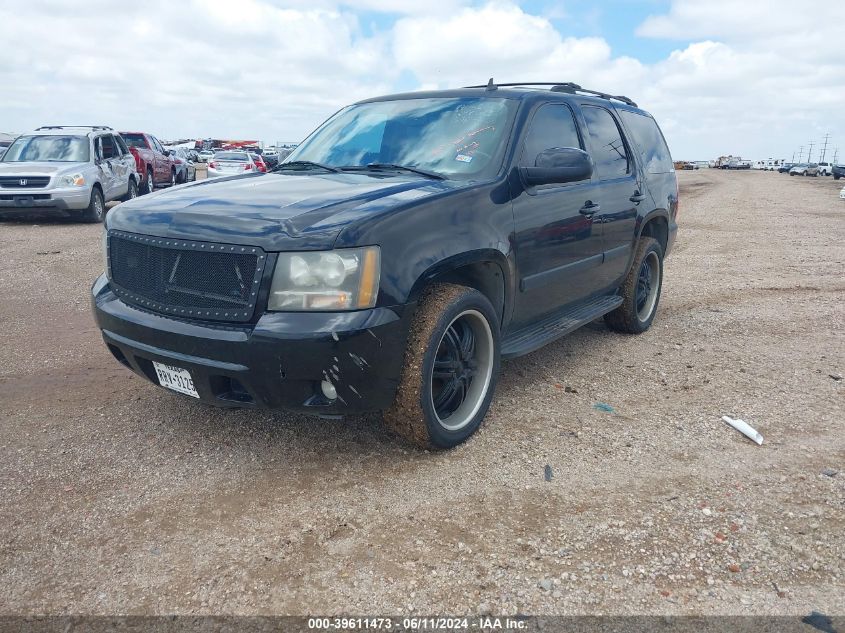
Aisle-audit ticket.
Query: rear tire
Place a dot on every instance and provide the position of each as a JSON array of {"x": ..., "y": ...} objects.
[
  {"x": 640, "y": 291},
  {"x": 451, "y": 368},
  {"x": 149, "y": 185},
  {"x": 132, "y": 192},
  {"x": 96, "y": 210}
]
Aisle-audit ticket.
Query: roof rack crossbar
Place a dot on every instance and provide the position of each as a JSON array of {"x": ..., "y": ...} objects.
[
  {"x": 62, "y": 127},
  {"x": 559, "y": 86}
]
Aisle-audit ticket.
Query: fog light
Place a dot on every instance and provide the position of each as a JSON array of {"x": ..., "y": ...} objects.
[{"x": 328, "y": 390}]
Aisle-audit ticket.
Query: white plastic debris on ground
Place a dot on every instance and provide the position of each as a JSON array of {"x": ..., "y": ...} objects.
[{"x": 746, "y": 429}]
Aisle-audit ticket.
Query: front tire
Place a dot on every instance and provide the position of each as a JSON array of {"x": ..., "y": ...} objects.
[
  {"x": 451, "y": 368},
  {"x": 172, "y": 177},
  {"x": 96, "y": 210},
  {"x": 640, "y": 291}
]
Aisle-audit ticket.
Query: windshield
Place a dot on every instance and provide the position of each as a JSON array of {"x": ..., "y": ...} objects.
[
  {"x": 457, "y": 137},
  {"x": 241, "y": 158},
  {"x": 65, "y": 149}
]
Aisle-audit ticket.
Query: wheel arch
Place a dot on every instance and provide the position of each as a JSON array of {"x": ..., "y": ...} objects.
[
  {"x": 484, "y": 270},
  {"x": 656, "y": 225}
]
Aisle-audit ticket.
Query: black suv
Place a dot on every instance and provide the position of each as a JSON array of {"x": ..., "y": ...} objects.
[{"x": 396, "y": 255}]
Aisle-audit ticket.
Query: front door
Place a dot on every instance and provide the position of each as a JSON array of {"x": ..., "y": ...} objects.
[
  {"x": 619, "y": 193},
  {"x": 558, "y": 242}
]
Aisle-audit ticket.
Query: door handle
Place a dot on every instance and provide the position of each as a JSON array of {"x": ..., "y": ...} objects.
[
  {"x": 589, "y": 208},
  {"x": 637, "y": 197}
]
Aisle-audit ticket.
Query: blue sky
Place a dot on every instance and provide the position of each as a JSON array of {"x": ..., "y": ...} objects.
[
  {"x": 613, "y": 20},
  {"x": 722, "y": 76}
]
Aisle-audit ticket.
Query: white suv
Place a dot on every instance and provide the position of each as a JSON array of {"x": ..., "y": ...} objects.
[
  {"x": 825, "y": 169},
  {"x": 72, "y": 170}
]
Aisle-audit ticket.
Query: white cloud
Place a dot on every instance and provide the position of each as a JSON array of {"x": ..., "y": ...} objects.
[{"x": 756, "y": 78}]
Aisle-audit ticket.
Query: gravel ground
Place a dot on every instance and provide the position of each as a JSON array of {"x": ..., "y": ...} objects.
[{"x": 117, "y": 497}]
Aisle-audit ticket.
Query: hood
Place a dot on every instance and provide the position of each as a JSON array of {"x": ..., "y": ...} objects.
[
  {"x": 36, "y": 168},
  {"x": 273, "y": 211}
]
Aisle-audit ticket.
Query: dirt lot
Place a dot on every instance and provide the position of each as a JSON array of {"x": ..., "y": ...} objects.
[{"x": 120, "y": 498}]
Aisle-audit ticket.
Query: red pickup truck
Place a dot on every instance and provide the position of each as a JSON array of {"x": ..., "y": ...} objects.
[{"x": 155, "y": 166}]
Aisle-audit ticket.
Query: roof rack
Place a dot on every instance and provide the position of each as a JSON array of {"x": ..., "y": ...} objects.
[
  {"x": 62, "y": 127},
  {"x": 558, "y": 86}
]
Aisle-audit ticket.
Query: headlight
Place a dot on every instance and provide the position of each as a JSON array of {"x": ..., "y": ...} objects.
[
  {"x": 75, "y": 179},
  {"x": 344, "y": 279}
]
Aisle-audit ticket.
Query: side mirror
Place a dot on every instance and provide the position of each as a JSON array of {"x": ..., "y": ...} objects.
[{"x": 558, "y": 165}]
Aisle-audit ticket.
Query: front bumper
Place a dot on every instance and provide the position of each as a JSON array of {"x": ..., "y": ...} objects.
[
  {"x": 22, "y": 200},
  {"x": 277, "y": 362}
]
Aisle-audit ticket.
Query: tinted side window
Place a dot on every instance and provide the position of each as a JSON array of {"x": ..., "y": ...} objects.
[
  {"x": 121, "y": 144},
  {"x": 552, "y": 126},
  {"x": 650, "y": 142},
  {"x": 608, "y": 148}
]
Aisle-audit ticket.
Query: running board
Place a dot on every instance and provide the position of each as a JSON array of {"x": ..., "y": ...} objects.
[{"x": 559, "y": 324}]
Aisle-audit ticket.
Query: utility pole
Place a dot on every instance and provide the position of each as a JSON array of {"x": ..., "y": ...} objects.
[
  {"x": 835, "y": 156},
  {"x": 801, "y": 154},
  {"x": 810, "y": 153},
  {"x": 824, "y": 149},
  {"x": 793, "y": 156}
]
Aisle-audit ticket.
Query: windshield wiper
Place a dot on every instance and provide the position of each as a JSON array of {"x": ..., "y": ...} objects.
[
  {"x": 304, "y": 164},
  {"x": 393, "y": 166}
]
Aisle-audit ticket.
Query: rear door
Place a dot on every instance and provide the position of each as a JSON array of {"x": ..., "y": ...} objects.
[
  {"x": 106, "y": 161},
  {"x": 558, "y": 244},
  {"x": 619, "y": 191},
  {"x": 126, "y": 159},
  {"x": 119, "y": 167}
]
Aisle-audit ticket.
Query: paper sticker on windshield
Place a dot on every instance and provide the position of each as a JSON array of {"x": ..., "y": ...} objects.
[{"x": 463, "y": 158}]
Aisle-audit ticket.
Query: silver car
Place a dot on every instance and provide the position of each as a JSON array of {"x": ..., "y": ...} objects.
[
  {"x": 73, "y": 171},
  {"x": 231, "y": 163},
  {"x": 804, "y": 169}
]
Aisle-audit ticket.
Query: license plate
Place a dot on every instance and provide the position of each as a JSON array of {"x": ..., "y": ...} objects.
[
  {"x": 24, "y": 201},
  {"x": 176, "y": 379}
]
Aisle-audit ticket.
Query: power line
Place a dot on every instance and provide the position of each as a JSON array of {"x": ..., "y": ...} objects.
[{"x": 824, "y": 149}]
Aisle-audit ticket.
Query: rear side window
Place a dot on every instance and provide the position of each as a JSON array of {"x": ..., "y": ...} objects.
[
  {"x": 106, "y": 147},
  {"x": 121, "y": 144},
  {"x": 552, "y": 126},
  {"x": 608, "y": 148},
  {"x": 649, "y": 140}
]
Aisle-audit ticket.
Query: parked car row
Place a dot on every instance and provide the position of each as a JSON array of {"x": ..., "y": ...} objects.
[
  {"x": 813, "y": 169},
  {"x": 75, "y": 170}
]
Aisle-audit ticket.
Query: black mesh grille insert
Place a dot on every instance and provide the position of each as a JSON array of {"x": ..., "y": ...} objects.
[{"x": 194, "y": 280}]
